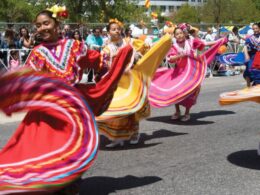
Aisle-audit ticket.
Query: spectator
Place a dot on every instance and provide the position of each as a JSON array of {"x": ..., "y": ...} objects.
[
  {"x": 209, "y": 35},
  {"x": 128, "y": 34},
  {"x": 67, "y": 32},
  {"x": 25, "y": 39},
  {"x": 26, "y": 42},
  {"x": 252, "y": 74},
  {"x": 234, "y": 39},
  {"x": 94, "y": 40},
  {"x": 104, "y": 36},
  {"x": 14, "y": 58},
  {"x": 8, "y": 40},
  {"x": 76, "y": 35}
]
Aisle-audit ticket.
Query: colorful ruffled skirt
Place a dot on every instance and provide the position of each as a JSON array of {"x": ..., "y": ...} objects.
[
  {"x": 247, "y": 94},
  {"x": 181, "y": 84},
  {"x": 130, "y": 102},
  {"x": 57, "y": 141}
]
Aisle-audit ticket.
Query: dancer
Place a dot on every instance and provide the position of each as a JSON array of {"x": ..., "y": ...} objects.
[
  {"x": 58, "y": 140},
  {"x": 181, "y": 85},
  {"x": 121, "y": 121},
  {"x": 252, "y": 54},
  {"x": 127, "y": 126},
  {"x": 67, "y": 58}
]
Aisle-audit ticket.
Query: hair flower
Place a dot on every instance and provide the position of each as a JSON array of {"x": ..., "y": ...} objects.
[
  {"x": 117, "y": 22},
  {"x": 59, "y": 12}
]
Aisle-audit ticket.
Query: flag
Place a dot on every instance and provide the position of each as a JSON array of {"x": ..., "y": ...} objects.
[{"x": 147, "y": 3}]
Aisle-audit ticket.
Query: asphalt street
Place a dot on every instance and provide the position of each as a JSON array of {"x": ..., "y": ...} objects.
[{"x": 212, "y": 154}]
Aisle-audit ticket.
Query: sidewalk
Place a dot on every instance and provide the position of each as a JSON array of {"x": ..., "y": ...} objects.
[{"x": 14, "y": 118}]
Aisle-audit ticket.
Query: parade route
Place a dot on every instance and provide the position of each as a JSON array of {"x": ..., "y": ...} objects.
[{"x": 214, "y": 153}]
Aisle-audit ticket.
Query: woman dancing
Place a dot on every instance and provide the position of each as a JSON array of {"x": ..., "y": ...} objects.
[
  {"x": 181, "y": 85},
  {"x": 251, "y": 52},
  {"x": 120, "y": 122},
  {"x": 58, "y": 140}
]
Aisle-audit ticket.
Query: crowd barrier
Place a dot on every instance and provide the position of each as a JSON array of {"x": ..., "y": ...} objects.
[
  {"x": 13, "y": 58},
  {"x": 10, "y": 59}
]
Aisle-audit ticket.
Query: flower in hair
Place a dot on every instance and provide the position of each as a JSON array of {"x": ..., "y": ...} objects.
[
  {"x": 59, "y": 12},
  {"x": 169, "y": 24},
  {"x": 184, "y": 26},
  {"x": 117, "y": 22}
]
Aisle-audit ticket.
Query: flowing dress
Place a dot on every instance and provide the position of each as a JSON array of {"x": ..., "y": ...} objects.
[
  {"x": 181, "y": 84},
  {"x": 57, "y": 141},
  {"x": 253, "y": 46},
  {"x": 130, "y": 103},
  {"x": 247, "y": 94}
]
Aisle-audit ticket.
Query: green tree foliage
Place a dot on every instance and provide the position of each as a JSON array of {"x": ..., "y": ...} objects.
[
  {"x": 102, "y": 10},
  {"x": 240, "y": 14},
  {"x": 99, "y": 11},
  {"x": 257, "y": 4},
  {"x": 79, "y": 10},
  {"x": 188, "y": 14},
  {"x": 15, "y": 11},
  {"x": 214, "y": 11},
  {"x": 230, "y": 11}
]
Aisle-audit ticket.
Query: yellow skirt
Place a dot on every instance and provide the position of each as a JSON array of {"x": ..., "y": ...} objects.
[
  {"x": 124, "y": 127},
  {"x": 130, "y": 102}
]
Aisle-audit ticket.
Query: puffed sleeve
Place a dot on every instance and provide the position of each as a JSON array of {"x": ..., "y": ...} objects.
[{"x": 171, "y": 53}]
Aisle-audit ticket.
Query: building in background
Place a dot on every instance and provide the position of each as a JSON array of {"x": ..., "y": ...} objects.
[{"x": 168, "y": 6}]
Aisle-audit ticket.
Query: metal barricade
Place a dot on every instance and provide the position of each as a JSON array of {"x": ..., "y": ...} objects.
[{"x": 13, "y": 58}]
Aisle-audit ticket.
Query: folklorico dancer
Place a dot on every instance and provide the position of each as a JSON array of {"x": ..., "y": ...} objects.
[
  {"x": 252, "y": 57},
  {"x": 181, "y": 84},
  {"x": 251, "y": 74},
  {"x": 58, "y": 139},
  {"x": 130, "y": 104}
]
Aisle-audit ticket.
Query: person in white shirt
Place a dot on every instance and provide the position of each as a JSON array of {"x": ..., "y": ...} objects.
[{"x": 209, "y": 36}]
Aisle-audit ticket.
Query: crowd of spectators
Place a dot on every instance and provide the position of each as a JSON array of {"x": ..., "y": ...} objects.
[{"x": 15, "y": 44}]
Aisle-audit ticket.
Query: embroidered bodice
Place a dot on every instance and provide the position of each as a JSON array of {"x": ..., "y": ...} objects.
[
  {"x": 253, "y": 43},
  {"x": 60, "y": 58},
  {"x": 190, "y": 48}
]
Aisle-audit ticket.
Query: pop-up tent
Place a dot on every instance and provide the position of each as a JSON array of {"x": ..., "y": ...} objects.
[{"x": 244, "y": 30}]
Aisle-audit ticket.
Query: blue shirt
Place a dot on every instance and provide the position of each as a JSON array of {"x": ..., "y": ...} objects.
[{"x": 93, "y": 41}]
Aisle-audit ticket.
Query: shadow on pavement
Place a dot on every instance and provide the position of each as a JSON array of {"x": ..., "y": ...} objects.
[
  {"x": 246, "y": 159},
  {"x": 194, "y": 118},
  {"x": 162, "y": 133},
  {"x": 106, "y": 185}
]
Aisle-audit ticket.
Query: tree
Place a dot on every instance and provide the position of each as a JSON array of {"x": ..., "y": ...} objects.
[
  {"x": 242, "y": 15},
  {"x": 257, "y": 4},
  {"x": 214, "y": 11},
  {"x": 15, "y": 11},
  {"x": 230, "y": 11},
  {"x": 102, "y": 10},
  {"x": 188, "y": 14}
]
